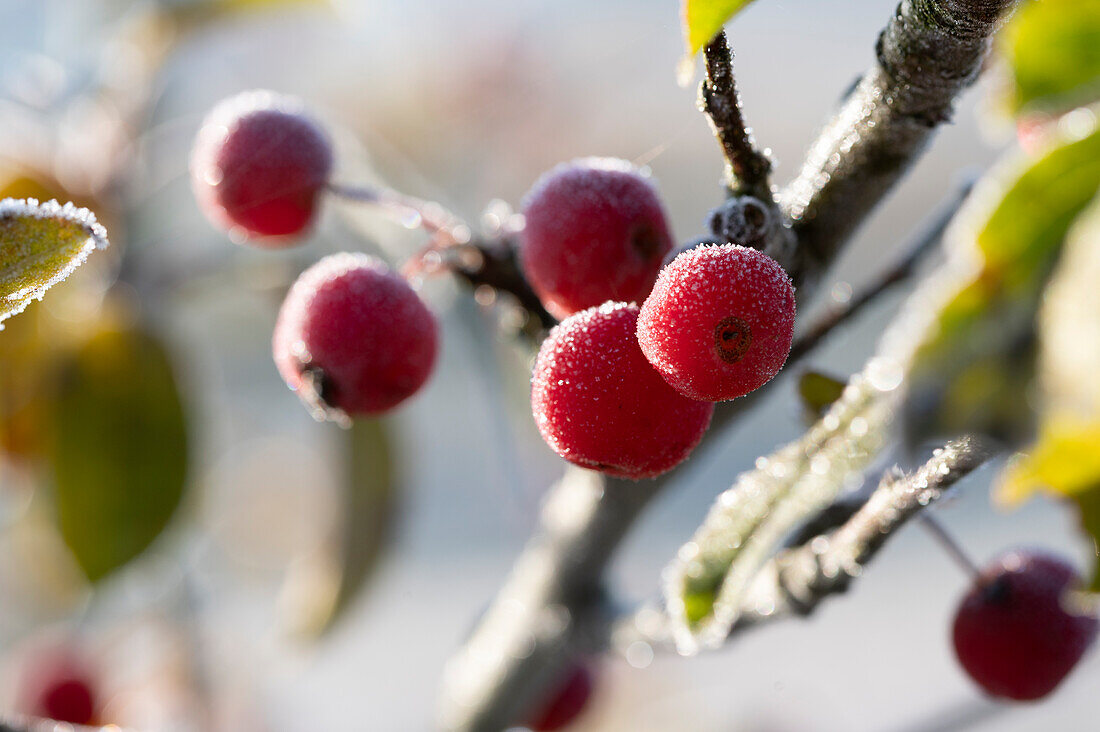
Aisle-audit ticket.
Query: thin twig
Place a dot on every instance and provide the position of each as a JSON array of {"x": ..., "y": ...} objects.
[
  {"x": 747, "y": 168},
  {"x": 919, "y": 247},
  {"x": 797, "y": 580},
  {"x": 489, "y": 261}
]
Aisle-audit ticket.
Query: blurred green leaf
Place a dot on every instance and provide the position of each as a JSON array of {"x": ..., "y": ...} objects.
[
  {"x": 1053, "y": 50},
  {"x": 196, "y": 13},
  {"x": 1065, "y": 459},
  {"x": 704, "y": 18},
  {"x": 117, "y": 447},
  {"x": 322, "y": 588},
  {"x": 1088, "y": 508},
  {"x": 40, "y": 245},
  {"x": 818, "y": 391},
  {"x": 976, "y": 361}
]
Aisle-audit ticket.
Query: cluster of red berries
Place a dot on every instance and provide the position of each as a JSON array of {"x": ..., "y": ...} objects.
[
  {"x": 352, "y": 337},
  {"x": 630, "y": 390}
]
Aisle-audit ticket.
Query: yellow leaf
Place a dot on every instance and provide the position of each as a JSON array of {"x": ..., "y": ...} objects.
[
  {"x": 1064, "y": 460},
  {"x": 704, "y": 18}
]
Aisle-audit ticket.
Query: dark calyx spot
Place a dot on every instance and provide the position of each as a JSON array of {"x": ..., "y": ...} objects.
[
  {"x": 732, "y": 338},
  {"x": 997, "y": 591},
  {"x": 646, "y": 241},
  {"x": 318, "y": 387}
]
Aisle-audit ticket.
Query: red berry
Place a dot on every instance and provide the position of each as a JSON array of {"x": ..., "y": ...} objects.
[
  {"x": 600, "y": 405},
  {"x": 595, "y": 231},
  {"x": 59, "y": 687},
  {"x": 566, "y": 702},
  {"x": 1015, "y": 633},
  {"x": 354, "y": 336},
  {"x": 719, "y": 322},
  {"x": 258, "y": 165}
]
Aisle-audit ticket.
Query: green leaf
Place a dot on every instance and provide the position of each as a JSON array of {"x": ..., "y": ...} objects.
[
  {"x": 704, "y": 18},
  {"x": 321, "y": 588},
  {"x": 976, "y": 358},
  {"x": 818, "y": 391},
  {"x": 40, "y": 245},
  {"x": 1053, "y": 51},
  {"x": 117, "y": 448}
]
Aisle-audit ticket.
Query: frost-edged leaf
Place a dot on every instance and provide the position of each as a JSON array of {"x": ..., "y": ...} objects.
[
  {"x": 712, "y": 573},
  {"x": 40, "y": 245},
  {"x": 117, "y": 447},
  {"x": 1053, "y": 51},
  {"x": 324, "y": 585},
  {"x": 977, "y": 356},
  {"x": 818, "y": 391},
  {"x": 704, "y": 18}
]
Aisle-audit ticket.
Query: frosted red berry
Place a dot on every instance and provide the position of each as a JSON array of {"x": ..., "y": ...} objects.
[
  {"x": 354, "y": 336},
  {"x": 719, "y": 322},
  {"x": 595, "y": 231},
  {"x": 258, "y": 165},
  {"x": 565, "y": 702},
  {"x": 1016, "y": 632},
  {"x": 599, "y": 404},
  {"x": 61, "y": 688}
]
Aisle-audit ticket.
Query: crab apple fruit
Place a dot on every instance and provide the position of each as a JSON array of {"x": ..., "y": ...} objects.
[
  {"x": 565, "y": 702},
  {"x": 353, "y": 336},
  {"x": 1016, "y": 632},
  {"x": 719, "y": 322},
  {"x": 594, "y": 232},
  {"x": 258, "y": 165},
  {"x": 59, "y": 687},
  {"x": 600, "y": 405}
]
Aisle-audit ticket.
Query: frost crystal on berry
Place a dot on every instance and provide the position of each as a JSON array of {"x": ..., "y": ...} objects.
[
  {"x": 258, "y": 165},
  {"x": 719, "y": 322},
  {"x": 354, "y": 338},
  {"x": 595, "y": 232},
  {"x": 599, "y": 404}
]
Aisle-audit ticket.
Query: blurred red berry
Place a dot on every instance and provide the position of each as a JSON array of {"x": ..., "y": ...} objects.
[
  {"x": 354, "y": 336},
  {"x": 1015, "y": 632},
  {"x": 566, "y": 702},
  {"x": 259, "y": 163},
  {"x": 595, "y": 231},
  {"x": 600, "y": 405},
  {"x": 59, "y": 687},
  {"x": 719, "y": 322}
]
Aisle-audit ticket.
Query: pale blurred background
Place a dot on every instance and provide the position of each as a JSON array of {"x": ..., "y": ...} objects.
[{"x": 464, "y": 103}]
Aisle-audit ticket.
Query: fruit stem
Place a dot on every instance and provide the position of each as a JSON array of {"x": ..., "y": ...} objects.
[
  {"x": 949, "y": 545},
  {"x": 407, "y": 210}
]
